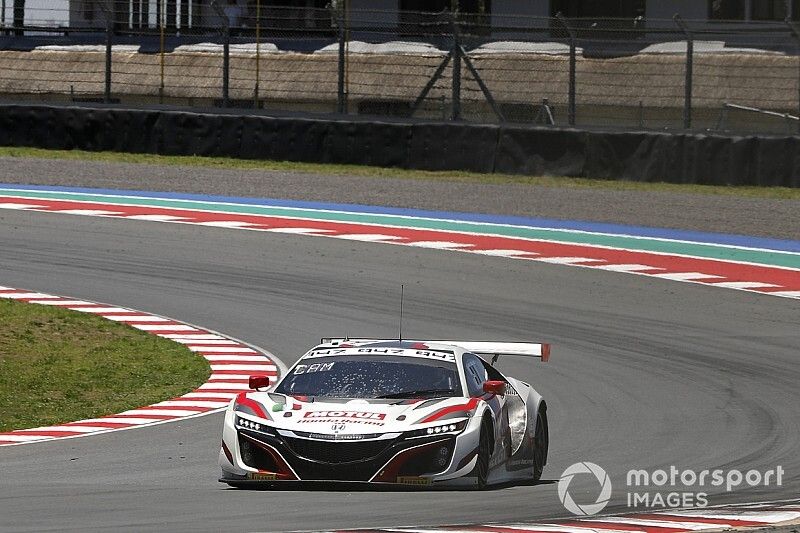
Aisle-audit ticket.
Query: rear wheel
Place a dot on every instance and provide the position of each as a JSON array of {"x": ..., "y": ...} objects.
[{"x": 541, "y": 441}]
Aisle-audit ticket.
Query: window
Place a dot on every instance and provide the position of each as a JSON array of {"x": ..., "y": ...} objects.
[
  {"x": 776, "y": 10},
  {"x": 600, "y": 19},
  {"x": 363, "y": 376},
  {"x": 726, "y": 10},
  {"x": 769, "y": 9},
  {"x": 88, "y": 10},
  {"x": 598, "y": 8},
  {"x": 475, "y": 374},
  {"x": 437, "y": 6}
]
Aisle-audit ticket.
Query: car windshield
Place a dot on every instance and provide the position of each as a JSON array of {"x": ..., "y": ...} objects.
[{"x": 366, "y": 377}]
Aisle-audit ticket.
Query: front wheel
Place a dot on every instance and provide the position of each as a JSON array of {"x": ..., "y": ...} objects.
[
  {"x": 484, "y": 453},
  {"x": 541, "y": 441}
]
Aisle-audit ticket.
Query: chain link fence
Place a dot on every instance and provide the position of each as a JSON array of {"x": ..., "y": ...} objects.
[{"x": 638, "y": 73}]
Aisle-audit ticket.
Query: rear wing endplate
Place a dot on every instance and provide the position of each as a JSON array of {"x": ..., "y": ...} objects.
[{"x": 484, "y": 348}]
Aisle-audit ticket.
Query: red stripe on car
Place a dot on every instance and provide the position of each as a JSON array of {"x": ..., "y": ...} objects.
[
  {"x": 242, "y": 399},
  {"x": 466, "y": 407}
]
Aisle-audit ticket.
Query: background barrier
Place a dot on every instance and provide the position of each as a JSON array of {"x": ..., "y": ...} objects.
[
  {"x": 638, "y": 156},
  {"x": 490, "y": 67}
]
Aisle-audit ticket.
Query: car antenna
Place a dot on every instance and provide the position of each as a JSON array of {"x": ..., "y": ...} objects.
[{"x": 400, "y": 332}]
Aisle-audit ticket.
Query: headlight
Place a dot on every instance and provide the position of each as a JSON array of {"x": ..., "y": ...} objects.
[
  {"x": 255, "y": 426},
  {"x": 445, "y": 429}
]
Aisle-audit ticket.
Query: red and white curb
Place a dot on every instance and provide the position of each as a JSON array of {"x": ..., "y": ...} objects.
[
  {"x": 232, "y": 362},
  {"x": 747, "y": 516},
  {"x": 751, "y": 277}
]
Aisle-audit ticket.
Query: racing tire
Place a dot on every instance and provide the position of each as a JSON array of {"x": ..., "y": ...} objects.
[
  {"x": 484, "y": 454},
  {"x": 541, "y": 442}
]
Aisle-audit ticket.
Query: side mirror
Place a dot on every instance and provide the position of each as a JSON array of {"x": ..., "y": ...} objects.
[
  {"x": 258, "y": 382},
  {"x": 498, "y": 388}
]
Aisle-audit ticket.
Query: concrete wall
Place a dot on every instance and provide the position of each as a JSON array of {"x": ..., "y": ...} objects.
[
  {"x": 531, "y": 8},
  {"x": 379, "y": 5},
  {"x": 688, "y": 9},
  {"x": 391, "y": 7}
]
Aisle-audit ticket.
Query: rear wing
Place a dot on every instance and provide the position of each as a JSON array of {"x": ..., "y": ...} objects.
[
  {"x": 496, "y": 349},
  {"x": 484, "y": 348}
]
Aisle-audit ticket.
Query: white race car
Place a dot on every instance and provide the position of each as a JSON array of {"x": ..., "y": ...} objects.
[{"x": 387, "y": 411}]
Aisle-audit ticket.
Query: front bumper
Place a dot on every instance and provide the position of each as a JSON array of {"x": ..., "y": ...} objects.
[
  {"x": 255, "y": 457},
  {"x": 314, "y": 460}
]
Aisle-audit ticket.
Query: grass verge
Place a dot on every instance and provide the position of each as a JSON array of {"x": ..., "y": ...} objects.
[
  {"x": 58, "y": 366},
  {"x": 380, "y": 172}
]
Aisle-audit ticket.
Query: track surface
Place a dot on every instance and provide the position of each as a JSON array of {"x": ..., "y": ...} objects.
[
  {"x": 725, "y": 214},
  {"x": 645, "y": 373}
]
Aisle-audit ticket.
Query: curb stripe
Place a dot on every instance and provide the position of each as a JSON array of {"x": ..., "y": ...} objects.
[
  {"x": 232, "y": 358},
  {"x": 594, "y": 227},
  {"x": 775, "y": 273},
  {"x": 668, "y": 521},
  {"x": 700, "y": 519},
  {"x": 259, "y": 205}
]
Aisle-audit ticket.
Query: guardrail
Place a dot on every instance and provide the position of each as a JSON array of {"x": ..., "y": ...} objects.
[{"x": 792, "y": 122}]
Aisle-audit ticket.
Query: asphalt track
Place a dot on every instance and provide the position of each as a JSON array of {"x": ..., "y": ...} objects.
[{"x": 645, "y": 373}]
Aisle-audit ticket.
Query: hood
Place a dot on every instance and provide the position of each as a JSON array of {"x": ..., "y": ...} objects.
[{"x": 354, "y": 416}]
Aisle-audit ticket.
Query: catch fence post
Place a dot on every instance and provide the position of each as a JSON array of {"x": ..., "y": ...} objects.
[
  {"x": 256, "y": 104},
  {"x": 341, "y": 94},
  {"x": 162, "y": 28},
  {"x": 796, "y": 34},
  {"x": 687, "y": 99},
  {"x": 573, "y": 53},
  {"x": 108, "y": 13},
  {"x": 456, "y": 52},
  {"x": 226, "y": 53}
]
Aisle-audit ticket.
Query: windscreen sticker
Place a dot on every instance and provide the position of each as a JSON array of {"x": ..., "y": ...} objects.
[
  {"x": 310, "y": 369},
  {"x": 401, "y": 352}
]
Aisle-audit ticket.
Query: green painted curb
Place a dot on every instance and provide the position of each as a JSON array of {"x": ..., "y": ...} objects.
[{"x": 639, "y": 244}]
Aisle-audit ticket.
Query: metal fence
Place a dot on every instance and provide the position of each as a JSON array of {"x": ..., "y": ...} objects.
[{"x": 615, "y": 73}]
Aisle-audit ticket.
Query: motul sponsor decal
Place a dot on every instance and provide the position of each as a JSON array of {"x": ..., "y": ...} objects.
[{"x": 355, "y": 415}]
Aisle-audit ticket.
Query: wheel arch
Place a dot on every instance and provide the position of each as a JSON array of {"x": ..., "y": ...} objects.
[
  {"x": 543, "y": 410},
  {"x": 488, "y": 420}
]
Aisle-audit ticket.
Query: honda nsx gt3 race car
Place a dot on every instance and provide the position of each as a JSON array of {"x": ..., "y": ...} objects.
[{"x": 388, "y": 411}]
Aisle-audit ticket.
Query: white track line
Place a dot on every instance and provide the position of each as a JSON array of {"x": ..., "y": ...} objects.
[
  {"x": 505, "y": 253},
  {"x": 223, "y": 349},
  {"x": 785, "y": 294},
  {"x": 685, "y": 276},
  {"x": 88, "y": 212},
  {"x": 6, "y": 205},
  {"x": 367, "y": 237},
  {"x": 742, "y": 284},
  {"x": 156, "y": 218},
  {"x": 627, "y": 268},
  {"x": 439, "y": 245},
  {"x": 568, "y": 260}
]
